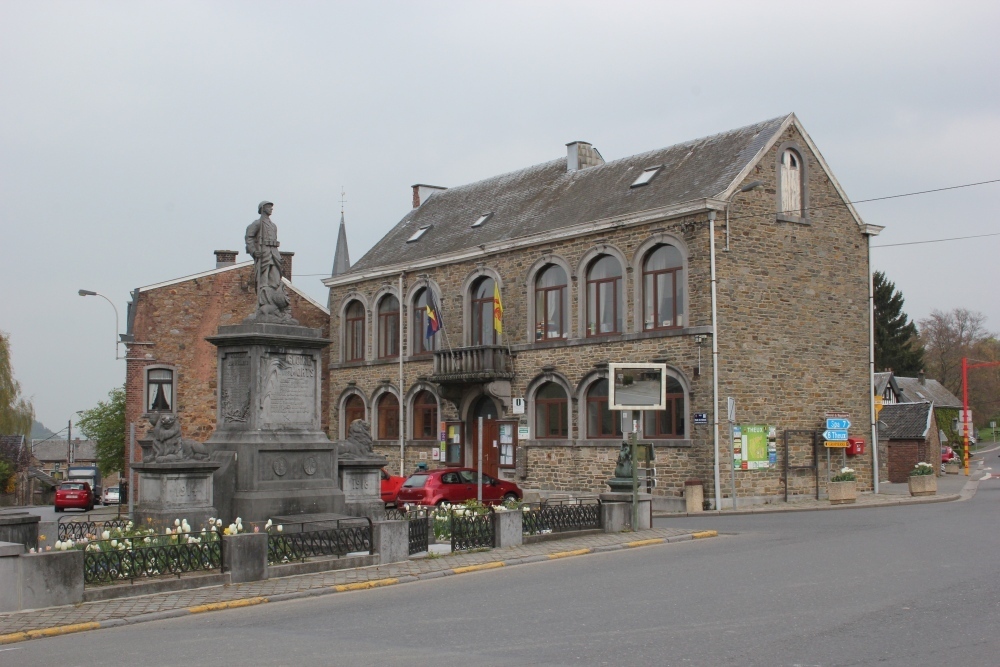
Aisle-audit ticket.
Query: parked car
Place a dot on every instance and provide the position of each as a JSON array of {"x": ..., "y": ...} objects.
[
  {"x": 390, "y": 486},
  {"x": 454, "y": 485},
  {"x": 111, "y": 496},
  {"x": 74, "y": 495}
]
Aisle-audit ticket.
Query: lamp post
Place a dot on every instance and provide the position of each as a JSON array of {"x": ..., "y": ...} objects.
[{"x": 87, "y": 292}]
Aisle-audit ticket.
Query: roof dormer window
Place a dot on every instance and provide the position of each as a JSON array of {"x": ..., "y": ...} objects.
[
  {"x": 482, "y": 219},
  {"x": 646, "y": 176},
  {"x": 417, "y": 234}
]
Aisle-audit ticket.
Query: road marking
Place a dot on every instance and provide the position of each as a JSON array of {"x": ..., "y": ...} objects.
[
  {"x": 476, "y": 568},
  {"x": 705, "y": 533},
  {"x": 645, "y": 543},
  {"x": 567, "y": 554},
  {"x": 48, "y": 632},
  {"x": 364, "y": 585},
  {"x": 231, "y": 604}
]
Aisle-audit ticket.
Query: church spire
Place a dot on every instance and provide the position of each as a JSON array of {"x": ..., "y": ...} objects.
[{"x": 341, "y": 258}]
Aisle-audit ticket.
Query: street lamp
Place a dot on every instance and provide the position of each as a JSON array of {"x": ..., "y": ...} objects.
[
  {"x": 87, "y": 292},
  {"x": 754, "y": 185}
]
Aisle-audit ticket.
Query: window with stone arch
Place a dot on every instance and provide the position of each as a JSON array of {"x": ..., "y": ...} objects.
[
  {"x": 354, "y": 331},
  {"x": 388, "y": 327},
  {"x": 551, "y": 411},
  {"x": 551, "y": 304},
  {"x": 483, "y": 332},
  {"x": 605, "y": 303},
  {"x": 790, "y": 179},
  {"x": 388, "y": 417},
  {"x": 670, "y": 422},
  {"x": 602, "y": 422},
  {"x": 425, "y": 416},
  {"x": 421, "y": 343},
  {"x": 354, "y": 409},
  {"x": 662, "y": 288}
]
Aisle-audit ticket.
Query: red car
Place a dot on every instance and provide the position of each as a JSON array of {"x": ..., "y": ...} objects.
[
  {"x": 455, "y": 486},
  {"x": 390, "y": 487},
  {"x": 74, "y": 495}
]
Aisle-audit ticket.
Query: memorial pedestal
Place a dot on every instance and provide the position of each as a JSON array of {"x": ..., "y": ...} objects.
[
  {"x": 175, "y": 490},
  {"x": 362, "y": 486},
  {"x": 269, "y": 420}
]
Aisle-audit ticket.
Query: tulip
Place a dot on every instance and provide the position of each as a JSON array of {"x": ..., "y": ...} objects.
[
  {"x": 106, "y": 535},
  {"x": 279, "y": 528},
  {"x": 177, "y": 522},
  {"x": 114, "y": 543}
]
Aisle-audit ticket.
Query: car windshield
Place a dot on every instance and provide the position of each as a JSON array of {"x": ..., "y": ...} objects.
[
  {"x": 71, "y": 487},
  {"x": 415, "y": 481}
]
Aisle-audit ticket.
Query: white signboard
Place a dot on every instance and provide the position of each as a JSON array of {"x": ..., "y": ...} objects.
[
  {"x": 518, "y": 406},
  {"x": 637, "y": 386}
]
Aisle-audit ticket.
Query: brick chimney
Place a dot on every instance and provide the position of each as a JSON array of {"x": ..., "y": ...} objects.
[
  {"x": 580, "y": 155},
  {"x": 286, "y": 264},
  {"x": 421, "y": 192},
  {"x": 225, "y": 258}
]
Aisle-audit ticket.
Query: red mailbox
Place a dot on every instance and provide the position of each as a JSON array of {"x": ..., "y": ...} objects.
[{"x": 855, "y": 446}]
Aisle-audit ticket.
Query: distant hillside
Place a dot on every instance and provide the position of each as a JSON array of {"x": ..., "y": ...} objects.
[{"x": 38, "y": 431}]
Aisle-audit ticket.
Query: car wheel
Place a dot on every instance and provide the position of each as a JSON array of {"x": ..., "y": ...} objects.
[
  {"x": 59, "y": 509},
  {"x": 510, "y": 498}
]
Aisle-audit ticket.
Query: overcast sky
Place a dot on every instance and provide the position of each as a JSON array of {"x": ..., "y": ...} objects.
[{"x": 138, "y": 137}]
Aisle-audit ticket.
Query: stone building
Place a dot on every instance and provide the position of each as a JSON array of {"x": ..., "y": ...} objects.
[
  {"x": 171, "y": 368},
  {"x": 600, "y": 261}
]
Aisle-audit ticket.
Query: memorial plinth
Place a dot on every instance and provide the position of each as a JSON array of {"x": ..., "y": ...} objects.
[
  {"x": 361, "y": 482},
  {"x": 269, "y": 419},
  {"x": 175, "y": 490}
]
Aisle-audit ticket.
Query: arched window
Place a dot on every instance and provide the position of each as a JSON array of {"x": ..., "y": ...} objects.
[
  {"x": 421, "y": 343},
  {"x": 388, "y": 417},
  {"x": 662, "y": 288},
  {"x": 605, "y": 304},
  {"x": 483, "y": 332},
  {"x": 354, "y": 332},
  {"x": 388, "y": 327},
  {"x": 601, "y": 421},
  {"x": 425, "y": 416},
  {"x": 354, "y": 409},
  {"x": 551, "y": 304},
  {"x": 551, "y": 411},
  {"x": 791, "y": 183},
  {"x": 668, "y": 423}
]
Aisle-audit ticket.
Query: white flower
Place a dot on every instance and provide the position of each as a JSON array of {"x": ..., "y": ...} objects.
[
  {"x": 147, "y": 540},
  {"x": 268, "y": 524},
  {"x": 177, "y": 522},
  {"x": 31, "y": 550},
  {"x": 218, "y": 522},
  {"x": 129, "y": 525},
  {"x": 169, "y": 531},
  {"x": 280, "y": 528},
  {"x": 106, "y": 535},
  {"x": 114, "y": 543},
  {"x": 59, "y": 545}
]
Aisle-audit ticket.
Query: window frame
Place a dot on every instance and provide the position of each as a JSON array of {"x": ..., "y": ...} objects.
[
  {"x": 383, "y": 412},
  {"x": 146, "y": 393},
  {"x": 676, "y": 400},
  {"x": 592, "y": 322},
  {"x": 678, "y": 275},
  {"x": 418, "y": 317},
  {"x": 479, "y": 306},
  {"x": 383, "y": 328},
  {"x": 419, "y": 412},
  {"x": 541, "y": 318},
  {"x": 589, "y": 400},
  {"x": 350, "y": 353},
  {"x": 803, "y": 180},
  {"x": 545, "y": 406}
]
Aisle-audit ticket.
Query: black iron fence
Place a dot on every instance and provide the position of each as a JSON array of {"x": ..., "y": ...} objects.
[
  {"x": 419, "y": 528},
  {"x": 129, "y": 558},
  {"x": 471, "y": 530},
  {"x": 320, "y": 538},
  {"x": 76, "y": 530},
  {"x": 560, "y": 516}
]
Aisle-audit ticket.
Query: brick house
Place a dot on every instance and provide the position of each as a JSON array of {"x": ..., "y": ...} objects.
[
  {"x": 612, "y": 261},
  {"x": 170, "y": 365},
  {"x": 911, "y": 435}
]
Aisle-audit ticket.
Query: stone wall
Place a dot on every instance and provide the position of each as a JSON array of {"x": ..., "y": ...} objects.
[
  {"x": 793, "y": 337},
  {"x": 904, "y": 455}
]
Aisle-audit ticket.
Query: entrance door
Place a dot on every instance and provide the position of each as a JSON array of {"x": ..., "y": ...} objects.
[{"x": 485, "y": 408}]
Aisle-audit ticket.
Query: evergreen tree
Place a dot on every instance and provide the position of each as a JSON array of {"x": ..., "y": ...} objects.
[{"x": 896, "y": 343}]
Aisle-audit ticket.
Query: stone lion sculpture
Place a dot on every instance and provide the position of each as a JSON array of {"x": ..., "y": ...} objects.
[
  {"x": 168, "y": 445},
  {"x": 359, "y": 441}
]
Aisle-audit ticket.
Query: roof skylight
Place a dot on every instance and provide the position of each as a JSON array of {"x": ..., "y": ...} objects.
[
  {"x": 417, "y": 234},
  {"x": 646, "y": 176},
  {"x": 482, "y": 219}
]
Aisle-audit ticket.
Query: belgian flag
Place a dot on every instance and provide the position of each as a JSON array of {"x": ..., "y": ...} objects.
[{"x": 433, "y": 317}]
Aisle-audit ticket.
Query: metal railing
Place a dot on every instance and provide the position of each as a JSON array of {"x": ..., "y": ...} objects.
[
  {"x": 473, "y": 363},
  {"x": 75, "y": 530},
  {"x": 418, "y": 526},
  {"x": 560, "y": 516},
  {"x": 472, "y": 531},
  {"x": 337, "y": 537},
  {"x": 130, "y": 558}
]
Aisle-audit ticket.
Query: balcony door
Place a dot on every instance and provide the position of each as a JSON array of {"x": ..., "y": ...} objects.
[{"x": 485, "y": 408}]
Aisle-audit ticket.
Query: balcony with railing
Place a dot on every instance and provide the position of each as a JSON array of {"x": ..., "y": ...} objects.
[{"x": 482, "y": 363}]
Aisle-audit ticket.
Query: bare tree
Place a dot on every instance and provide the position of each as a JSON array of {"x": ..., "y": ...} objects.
[
  {"x": 16, "y": 413},
  {"x": 947, "y": 337}
]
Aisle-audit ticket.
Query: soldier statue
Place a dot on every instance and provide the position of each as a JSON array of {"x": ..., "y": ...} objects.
[{"x": 262, "y": 244}]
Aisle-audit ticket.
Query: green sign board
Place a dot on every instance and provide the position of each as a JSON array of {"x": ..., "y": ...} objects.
[{"x": 753, "y": 446}]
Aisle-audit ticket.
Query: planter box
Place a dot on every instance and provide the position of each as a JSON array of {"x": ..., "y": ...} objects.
[
  {"x": 952, "y": 468},
  {"x": 842, "y": 493},
  {"x": 923, "y": 485}
]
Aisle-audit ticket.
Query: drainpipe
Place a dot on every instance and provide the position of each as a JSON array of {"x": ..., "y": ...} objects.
[
  {"x": 402, "y": 421},
  {"x": 871, "y": 365},
  {"x": 715, "y": 361}
]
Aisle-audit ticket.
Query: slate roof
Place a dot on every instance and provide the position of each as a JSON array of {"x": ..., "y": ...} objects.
[
  {"x": 905, "y": 421},
  {"x": 55, "y": 450},
  {"x": 912, "y": 391},
  {"x": 547, "y": 197}
]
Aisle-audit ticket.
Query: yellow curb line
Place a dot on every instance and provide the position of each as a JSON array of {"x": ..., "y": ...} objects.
[
  {"x": 645, "y": 543},
  {"x": 477, "y": 568},
  {"x": 566, "y": 554},
  {"x": 231, "y": 604},
  {"x": 704, "y": 533},
  {"x": 364, "y": 585},
  {"x": 48, "y": 632}
]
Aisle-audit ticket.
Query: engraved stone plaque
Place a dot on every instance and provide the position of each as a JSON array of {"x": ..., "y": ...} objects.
[
  {"x": 288, "y": 390},
  {"x": 290, "y": 465},
  {"x": 361, "y": 484},
  {"x": 235, "y": 391}
]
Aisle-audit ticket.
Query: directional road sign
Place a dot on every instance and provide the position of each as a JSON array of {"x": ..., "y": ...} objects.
[
  {"x": 836, "y": 435},
  {"x": 842, "y": 424}
]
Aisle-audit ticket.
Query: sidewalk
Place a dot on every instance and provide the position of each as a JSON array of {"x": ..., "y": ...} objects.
[{"x": 20, "y": 626}]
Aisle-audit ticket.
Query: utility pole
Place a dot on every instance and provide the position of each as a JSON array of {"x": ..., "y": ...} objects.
[
  {"x": 965, "y": 406},
  {"x": 69, "y": 446}
]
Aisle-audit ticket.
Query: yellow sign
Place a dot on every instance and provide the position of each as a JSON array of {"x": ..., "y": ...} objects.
[
  {"x": 835, "y": 443},
  {"x": 878, "y": 405}
]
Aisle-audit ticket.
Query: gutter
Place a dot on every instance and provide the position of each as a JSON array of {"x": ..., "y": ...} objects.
[{"x": 715, "y": 366}]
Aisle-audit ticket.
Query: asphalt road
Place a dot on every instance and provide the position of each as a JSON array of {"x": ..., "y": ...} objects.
[{"x": 888, "y": 586}]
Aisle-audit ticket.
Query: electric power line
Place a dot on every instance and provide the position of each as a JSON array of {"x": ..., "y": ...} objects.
[{"x": 954, "y": 238}]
